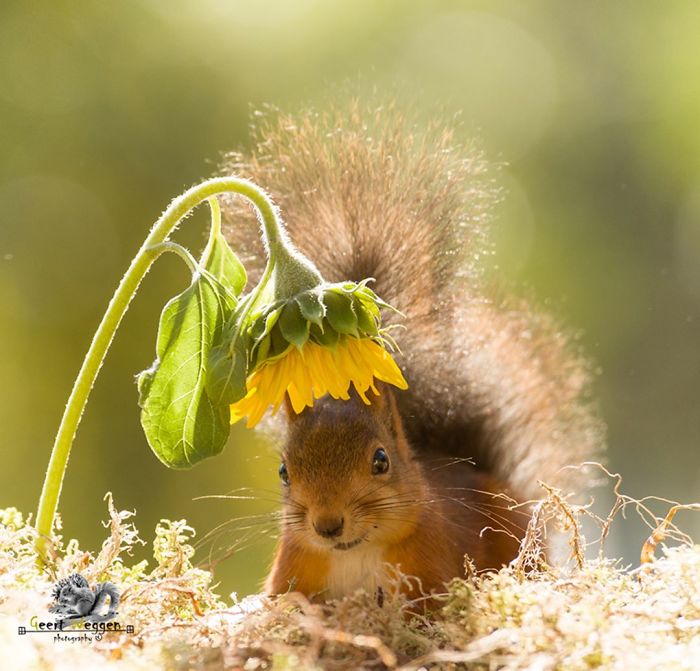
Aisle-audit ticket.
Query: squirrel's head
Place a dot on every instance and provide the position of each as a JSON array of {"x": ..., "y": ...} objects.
[{"x": 348, "y": 474}]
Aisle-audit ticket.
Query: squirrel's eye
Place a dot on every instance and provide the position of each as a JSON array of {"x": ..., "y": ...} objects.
[
  {"x": 380, "y": 462},
  {"x": 284, "y": 476}
]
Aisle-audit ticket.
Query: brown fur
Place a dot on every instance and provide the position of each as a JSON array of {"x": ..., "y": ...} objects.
[{"x": 365, "y": 193}]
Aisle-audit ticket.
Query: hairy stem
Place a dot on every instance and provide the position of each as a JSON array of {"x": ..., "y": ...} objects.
[
  {"x": 118, "y": 305},
  {"x": 169, "y": 246}
]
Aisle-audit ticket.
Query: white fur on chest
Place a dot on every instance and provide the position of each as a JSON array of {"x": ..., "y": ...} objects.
[{"x": 355, "y": 569}]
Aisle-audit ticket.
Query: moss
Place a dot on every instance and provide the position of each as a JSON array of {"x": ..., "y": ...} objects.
[{"x": 592, "y": 614}]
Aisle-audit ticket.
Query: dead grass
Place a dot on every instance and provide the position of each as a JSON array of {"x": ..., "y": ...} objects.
[{"x": 583, "y": 614}]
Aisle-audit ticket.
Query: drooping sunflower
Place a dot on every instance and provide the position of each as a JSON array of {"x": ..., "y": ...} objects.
[{"x": 321, "y": 341}]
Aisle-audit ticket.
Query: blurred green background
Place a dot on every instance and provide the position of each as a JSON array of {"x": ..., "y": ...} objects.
[{"x": 108, "y": 110}]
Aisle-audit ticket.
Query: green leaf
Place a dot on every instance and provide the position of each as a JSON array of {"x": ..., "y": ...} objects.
[
  {"x": 278, "y": 344},
  {"x": 293, "y": 325},
  {"x": 186, "y": 420},
  {"x": 340, "y": 314},
  {"x": 368, "y": 297},
  {"x": 352, "y": 287},
  {"x": 260, "y": 351},
  {"x": 327, "y": 337},
  {"x": 262, "y": 327},
  {"x": 365, "y": 319},
  {"x": 224, "y": 265},
  {"x": 226, "y": 372},
  {"x": 311, "y": 306}
]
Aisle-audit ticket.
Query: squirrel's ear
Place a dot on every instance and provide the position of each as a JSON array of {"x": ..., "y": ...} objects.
[{"x": 384, "y": 407}]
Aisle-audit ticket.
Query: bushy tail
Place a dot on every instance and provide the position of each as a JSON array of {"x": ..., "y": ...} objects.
[{"x": 366, "y": 193}]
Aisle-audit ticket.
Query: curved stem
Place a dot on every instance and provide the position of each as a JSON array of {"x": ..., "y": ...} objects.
[
  {"x": 214, "y": 227},
  {"x": 118, "y": 305},
  {"x": 169, "y": 246}
]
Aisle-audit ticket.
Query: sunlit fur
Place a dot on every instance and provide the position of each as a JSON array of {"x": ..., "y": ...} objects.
[{"x": 365, "y": 191}]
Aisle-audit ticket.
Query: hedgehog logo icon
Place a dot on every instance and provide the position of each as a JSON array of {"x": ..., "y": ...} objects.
[{"x": 74, "y": 599}]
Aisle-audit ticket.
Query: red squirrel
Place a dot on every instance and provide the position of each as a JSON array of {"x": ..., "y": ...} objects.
[{"x": 497, "y": 400}]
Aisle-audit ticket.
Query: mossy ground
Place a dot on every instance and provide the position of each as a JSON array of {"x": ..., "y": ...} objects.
[{"x": 587, "y": 614}]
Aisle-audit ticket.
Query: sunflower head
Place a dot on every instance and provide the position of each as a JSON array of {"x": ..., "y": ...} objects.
[
  {"x": 316, "y": 342},
  {"x": 325, "y": 314}
]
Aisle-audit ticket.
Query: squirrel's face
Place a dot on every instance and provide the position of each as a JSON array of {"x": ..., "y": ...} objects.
[
  {"x": 68, "y": 597},
  {"x": 349, "y": 478}
]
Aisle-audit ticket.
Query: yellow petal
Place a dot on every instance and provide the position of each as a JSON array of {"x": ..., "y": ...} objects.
[{"x": 315, "y": 371}]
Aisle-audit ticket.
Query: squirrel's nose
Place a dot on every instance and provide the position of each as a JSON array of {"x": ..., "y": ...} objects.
[{"x": 329, "y": 527}]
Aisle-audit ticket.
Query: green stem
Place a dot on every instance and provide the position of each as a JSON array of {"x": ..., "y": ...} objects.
[
  {"x": 169, "y": 246},
  {"x": 214, "y": 227},
  {"x": 147, "y": 254}
]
